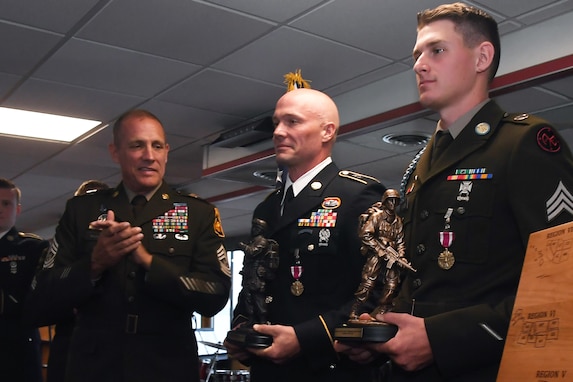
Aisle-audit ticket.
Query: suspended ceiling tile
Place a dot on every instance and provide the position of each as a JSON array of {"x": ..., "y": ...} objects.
[
  {"x": 530, "y": 100},
  {"x": 216, "y": 91},
  {"x": 393, "y": 38},
  {"x": 30, "y": 47},
  {"x": 190, "y": 122},
  {"x": 12, "y": 148},
  {"x": 113, "y": 69},
  {"x": 562, "y": 86},
  {"x": 547, "y": 12},
  {"x": 324, "y": 62},
  {"x": 367, "y": 78},
  {"x": 7, "y": 81},
  {"x": 73, "y": 101},
  {"x": 278, "y": 10},
  {"x": 513, "y": 8},
  {"x": 189, "y": 31},
  {"x": 58, "y": 16}
]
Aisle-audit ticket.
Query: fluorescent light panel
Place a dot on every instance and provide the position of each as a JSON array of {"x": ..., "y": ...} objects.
[{"x": 31, "y": 124}]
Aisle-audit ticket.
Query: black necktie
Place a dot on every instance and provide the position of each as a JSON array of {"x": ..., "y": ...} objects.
[
  {"x": 138, "y": 202},
  {"x": 289, "y": 196},
  {"x": 442, "y": 140}
]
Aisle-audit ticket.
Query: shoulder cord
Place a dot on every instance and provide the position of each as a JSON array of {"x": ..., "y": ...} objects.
[{"x": 409, "y": 171}]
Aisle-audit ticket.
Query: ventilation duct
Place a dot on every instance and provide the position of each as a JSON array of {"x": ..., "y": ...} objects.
[{"x": 247, "y": 134}]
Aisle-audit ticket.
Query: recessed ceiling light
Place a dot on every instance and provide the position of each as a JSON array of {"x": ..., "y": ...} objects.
[
  {"x": 34, "y": 125},
  {"x": 411, "y": 139}
]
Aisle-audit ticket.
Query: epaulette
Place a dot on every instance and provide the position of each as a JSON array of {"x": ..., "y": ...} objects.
[
  {"x": 194, "y": 196},
  {"x": 523, "y": 119},
  {"x": 26, "y": 235},
  {"x": 108, "y": 191},
  {"x": 100, "y": 191},
  {"x": 358, "y": 177}
]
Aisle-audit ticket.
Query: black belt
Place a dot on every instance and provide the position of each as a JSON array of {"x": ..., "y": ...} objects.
[{"x": 426, "y": 309}]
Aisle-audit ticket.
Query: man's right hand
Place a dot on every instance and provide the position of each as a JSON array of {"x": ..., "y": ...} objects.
[{"x": 116, "y": 240}]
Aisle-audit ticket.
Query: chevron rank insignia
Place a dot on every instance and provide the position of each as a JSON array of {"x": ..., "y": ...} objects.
[{"x": 560, "y": 201}]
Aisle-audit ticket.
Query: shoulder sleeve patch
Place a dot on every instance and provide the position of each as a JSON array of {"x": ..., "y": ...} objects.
[
  {"x": 547, "y": 140},
  {"x": 217, "y": 225},
  {"x": 358, "y": 177}
]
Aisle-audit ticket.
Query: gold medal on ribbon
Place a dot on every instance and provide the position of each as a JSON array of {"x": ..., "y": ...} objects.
[
  {"x": 296, "y": 288},
  {"x": 446, "y": 259}
]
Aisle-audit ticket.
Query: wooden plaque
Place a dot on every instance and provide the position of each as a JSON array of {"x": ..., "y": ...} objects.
[{"x": 539, "y": 345}]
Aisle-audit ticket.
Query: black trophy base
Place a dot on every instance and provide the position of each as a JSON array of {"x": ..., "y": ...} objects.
[
  {"x": 249, "y": 338},
  {"x": 365, "y": 331}
]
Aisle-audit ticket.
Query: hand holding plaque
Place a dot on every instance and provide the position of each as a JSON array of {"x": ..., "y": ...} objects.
[
  {"x": 381, "y": 232},
  {"x": 259, "y": 266}
]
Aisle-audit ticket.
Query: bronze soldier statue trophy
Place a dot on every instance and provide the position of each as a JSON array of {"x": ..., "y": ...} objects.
[
  {"x": 259, "y": 266},
  {"x": 381, "y": 232}
]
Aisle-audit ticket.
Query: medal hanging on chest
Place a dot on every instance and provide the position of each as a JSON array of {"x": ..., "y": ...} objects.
[
  {"x": 296, "y": 287},
  {"x": 446, "y": 259}
]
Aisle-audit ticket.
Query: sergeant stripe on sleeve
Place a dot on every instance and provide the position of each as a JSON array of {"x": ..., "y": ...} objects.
[
  {"x": 202, "y": 286},
  {"x": 224, "y": 261},
  {"x": 32, "y": 285},
  {"x": 66, "y": 272},
  {"x": 49, "y": 261},
  {"x": 561, "y": 200}
]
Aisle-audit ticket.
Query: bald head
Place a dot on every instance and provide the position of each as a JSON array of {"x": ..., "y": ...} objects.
[
  {"x": 315, "y": 103},
  {"x": 306, "y": 124}
]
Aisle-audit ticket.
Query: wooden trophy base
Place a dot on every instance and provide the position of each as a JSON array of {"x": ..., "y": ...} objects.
[
  {"x": 365, "y": 331},
  {"x": 249, "y": 338}
]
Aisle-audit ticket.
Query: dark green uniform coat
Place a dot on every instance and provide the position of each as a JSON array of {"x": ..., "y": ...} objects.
[
  {"x": 518, "y": 164},
  {"x": 332, "y": 265},
  {"x": 133, "y": 324},
  {"x": 19, "y": 343}
]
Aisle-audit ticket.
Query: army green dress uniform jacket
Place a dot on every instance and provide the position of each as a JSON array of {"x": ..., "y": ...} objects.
[
  {"x": 322, "y": 223},
  {"x": 135, "y": 324},
  {"x": 503, "y": 177},
  {"x": 20, "y": 358}
]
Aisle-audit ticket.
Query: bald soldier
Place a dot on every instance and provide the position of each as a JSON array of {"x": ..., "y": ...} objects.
[{"x": 319, "y": 250}]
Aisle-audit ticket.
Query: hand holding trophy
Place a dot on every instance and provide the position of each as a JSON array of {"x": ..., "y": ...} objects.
[
  {"x": 381, "y": 232},
  {"x": 259, "y": 265}
]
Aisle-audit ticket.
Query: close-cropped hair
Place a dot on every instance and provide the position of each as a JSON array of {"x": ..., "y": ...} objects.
[
  {"x": 136, "y": 113},
  {"x": 473, "y": 24},
  {"x": 9, "y": 185}
]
